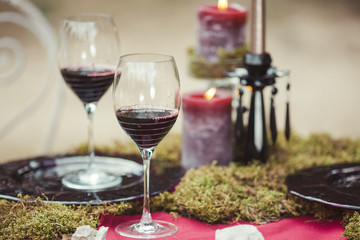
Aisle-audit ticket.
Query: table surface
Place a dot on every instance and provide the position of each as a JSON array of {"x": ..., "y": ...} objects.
[{"x": 190, "y": 229}]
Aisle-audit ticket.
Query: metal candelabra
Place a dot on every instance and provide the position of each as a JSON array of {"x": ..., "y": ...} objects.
[{"x": 258, "y": 73}]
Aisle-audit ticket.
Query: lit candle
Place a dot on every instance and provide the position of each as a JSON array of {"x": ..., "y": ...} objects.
[
  {"x": 219, "y": 26},
  {"x": 206, "y": 128},
  {"x": 257, "y": 44}
]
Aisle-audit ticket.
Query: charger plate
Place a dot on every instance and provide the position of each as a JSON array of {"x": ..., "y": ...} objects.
[
  {"x": 41, "y": 177},
  {"x": 336, "y": 185}
]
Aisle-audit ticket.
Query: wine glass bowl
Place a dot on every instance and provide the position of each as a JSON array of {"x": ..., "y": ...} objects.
[
  {"x": 147, "y": 99},
  {"x": 88, "y": 53}
]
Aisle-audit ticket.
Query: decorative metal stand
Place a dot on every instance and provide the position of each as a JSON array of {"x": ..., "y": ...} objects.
[{"x": 258, "y": 74}]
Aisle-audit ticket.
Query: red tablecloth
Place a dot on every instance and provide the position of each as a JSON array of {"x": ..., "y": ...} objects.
[{"x": 287, "y": 229}]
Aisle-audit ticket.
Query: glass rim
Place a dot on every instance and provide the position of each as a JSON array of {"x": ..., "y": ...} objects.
[
  {"x": 86, "y": 17},
  {"x": 157, "y": 58}
]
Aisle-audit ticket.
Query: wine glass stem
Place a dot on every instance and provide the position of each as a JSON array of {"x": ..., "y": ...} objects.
[
  {"x": 90, "y": 109},
  {"x": 146, "y": 157}
]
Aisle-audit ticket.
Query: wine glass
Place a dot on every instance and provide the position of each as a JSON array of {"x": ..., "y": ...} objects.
[
  {"x": 147, "y": 99},
  {"x": 88, "y": 53}
]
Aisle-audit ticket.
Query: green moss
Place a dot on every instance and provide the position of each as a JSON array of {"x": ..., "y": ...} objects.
[
  {"x": 257, "y": 192},
  {"x": 212, "y": 194},
  {"x": 228, "y": 61},
  {"x": 216, "y": 194},
  {"x": 38, "y": 220},
  {"x": 352, "y": 228}
]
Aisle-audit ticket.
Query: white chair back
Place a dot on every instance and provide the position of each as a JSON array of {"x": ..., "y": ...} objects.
[{"x": 29, "y": 79}]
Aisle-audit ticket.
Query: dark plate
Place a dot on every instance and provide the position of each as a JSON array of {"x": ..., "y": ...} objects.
[
  {"x": 336, "y": 185},
  {"x": 42, "y": 177}
]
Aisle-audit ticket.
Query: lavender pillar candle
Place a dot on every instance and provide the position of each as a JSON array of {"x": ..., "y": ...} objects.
[
  {"x": 206, "y": 129},
  {"x": 219, "y": 27}
]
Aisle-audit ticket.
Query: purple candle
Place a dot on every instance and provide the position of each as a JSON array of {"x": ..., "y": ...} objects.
[
  {"x": 206, "y": 129},
  {"x": 219, "y": 26}
]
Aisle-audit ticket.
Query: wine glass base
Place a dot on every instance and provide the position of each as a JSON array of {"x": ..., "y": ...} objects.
[
  {"x": 156, "y": 229},
  {"x": 90, "y": 180}
]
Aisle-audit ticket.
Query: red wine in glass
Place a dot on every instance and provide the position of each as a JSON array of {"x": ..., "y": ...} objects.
[
  {"x": 147, "y": 99},
  {"x": 88, "y": 51},
  {"x": 88, "y": 83},
  {"x": 146, "y": 125}
]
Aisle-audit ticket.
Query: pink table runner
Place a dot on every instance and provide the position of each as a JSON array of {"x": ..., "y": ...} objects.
[{"x": 304, "y": 228}]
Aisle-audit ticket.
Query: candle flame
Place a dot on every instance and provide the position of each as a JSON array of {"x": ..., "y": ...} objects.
[
  {"x": 210, "y": 94},
  {"x": 222, "y": 4}
]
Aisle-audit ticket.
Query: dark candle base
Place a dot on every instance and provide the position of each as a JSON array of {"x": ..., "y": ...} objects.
[{"x": 258, "y": 78}]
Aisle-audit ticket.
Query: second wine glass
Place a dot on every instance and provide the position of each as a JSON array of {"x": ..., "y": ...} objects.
[
  {"x": 88, "y": 53},
  {"x": 147, "y": 100}
]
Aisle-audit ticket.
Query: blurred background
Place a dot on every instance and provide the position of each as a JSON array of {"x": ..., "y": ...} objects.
[{"x": 318, "y": 41}]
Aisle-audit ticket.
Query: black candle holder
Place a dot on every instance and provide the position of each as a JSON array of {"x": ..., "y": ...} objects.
[{"x": 257, "y": 73}]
